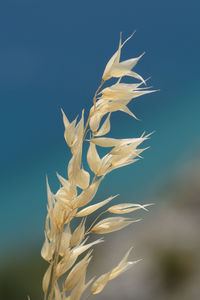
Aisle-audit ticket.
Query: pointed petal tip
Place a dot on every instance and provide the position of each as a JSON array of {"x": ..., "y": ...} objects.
[
  {"x": 130, "y": 36},
  {"x": 135, "y": 261},
  {"x": 143, "y": 53}
]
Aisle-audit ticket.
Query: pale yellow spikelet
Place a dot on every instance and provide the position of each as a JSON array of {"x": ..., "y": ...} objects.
[
  {"x": 78, "y": 234},
  {"x": 115, "y": 68},
  {"x": 106, "y": 163},
  {"x": 75, "y": 164},
  {"x": 50, "y": 197},
  {"x": 82, "y": 248},
  {"x": 124, "y": 68},
  {"x": 65, "y": 241},
  {"x": 77, "y": 272},
  {"x": 48, "y": 249},
  {"x": 111, "y": 106},
  {"x": 92, "y": 208},
  {"x": 121, "y": 164},
  {"x": 76, "y": 174},
  {"x": 126, "y": 149},
  {"x": 111, "y": 162},
  {"x": 63, "y": 196},
  {"x": 102, "y": 281},
  {"x": 69, "y": 191},
  {"x": 100, "y": 284},
  {"x": 124, "y": 96},
  {"x": 79, "y": 289},
  {"x": 78, "y": 133},
  {"x": 61, "y": 213},
  {"x": 123, "y": 266},
  {"x": 105, "y": 128},
  {"x": 119, "y": 91},
  {"x": 65, "y": 263},
  {"x": 111, "y": 142},
  {"x": 73, "y": 132},
  {"x": 120, "y": 159},
  {"x": 87, "y": 195},
  {"x": 105, "y": 142},
  {"x": 93, "y": 158},
  {"x": 117, "y": 160},
  {"x": 48, "y": 230},
  {"x": 111, "y": 224},
  {"x": 69, "y": 133},
  {"x": 65, "y": 119},
  {"x": 95, "y": 120},
  {"x": 125, "y": 208},
  {"x": 83, "y": 179},
  {"x": 46, "y": 279},
  {"x": 114, "y": 60}
]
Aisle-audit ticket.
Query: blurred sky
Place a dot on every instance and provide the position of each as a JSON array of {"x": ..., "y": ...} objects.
[{"x": 52, "y": 55}]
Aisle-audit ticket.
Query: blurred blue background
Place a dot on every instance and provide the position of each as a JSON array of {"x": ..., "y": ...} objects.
[{"x": 52, "y": 55}]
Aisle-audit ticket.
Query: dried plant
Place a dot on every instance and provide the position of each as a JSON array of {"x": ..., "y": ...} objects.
[{"x": 65, "y": 278}]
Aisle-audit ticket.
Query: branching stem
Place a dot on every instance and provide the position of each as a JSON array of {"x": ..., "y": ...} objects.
[
  {"x": 94, "y": 101},
  {"x": 103, "y": 212},
  {"x": 95, "y": 95},
  {"x": 55, "y": 264}
]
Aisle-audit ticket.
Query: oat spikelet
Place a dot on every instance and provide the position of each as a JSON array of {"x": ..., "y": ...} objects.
[{"x": 65, "y": 239}]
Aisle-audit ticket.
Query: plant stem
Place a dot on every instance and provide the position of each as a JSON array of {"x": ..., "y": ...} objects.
[
  {"x": 94, "y": 101},
  {"x": 95, "y": 95},
  {"x": 103, "y": 212},
  {"x": 61, "y": 229},
  {"x": 55, "y": 264}
]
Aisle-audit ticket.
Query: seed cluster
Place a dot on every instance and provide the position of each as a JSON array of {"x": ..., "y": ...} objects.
[{"x": 65, "y": 278}]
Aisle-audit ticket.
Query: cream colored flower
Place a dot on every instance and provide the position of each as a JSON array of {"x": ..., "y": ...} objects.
[
  {"x": 111, "y": 224},
  {"x": 124, "y": 153},
  {"x": 123, "y": 92},
  {"x": 77, "y": 175},
  {"x": 73, "y": 132},
  {"x": 46, "y": 279},
  {"x": 115, "y": 68},
  {"x": 125, "y": 208},
  {"x": 92, "y": 208},
  {"x": 77, "y": 272},
  {"x": 102, "y": 281}
]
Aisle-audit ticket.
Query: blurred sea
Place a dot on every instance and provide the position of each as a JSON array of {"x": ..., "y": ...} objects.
[{"x": 52, "y": 55}]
